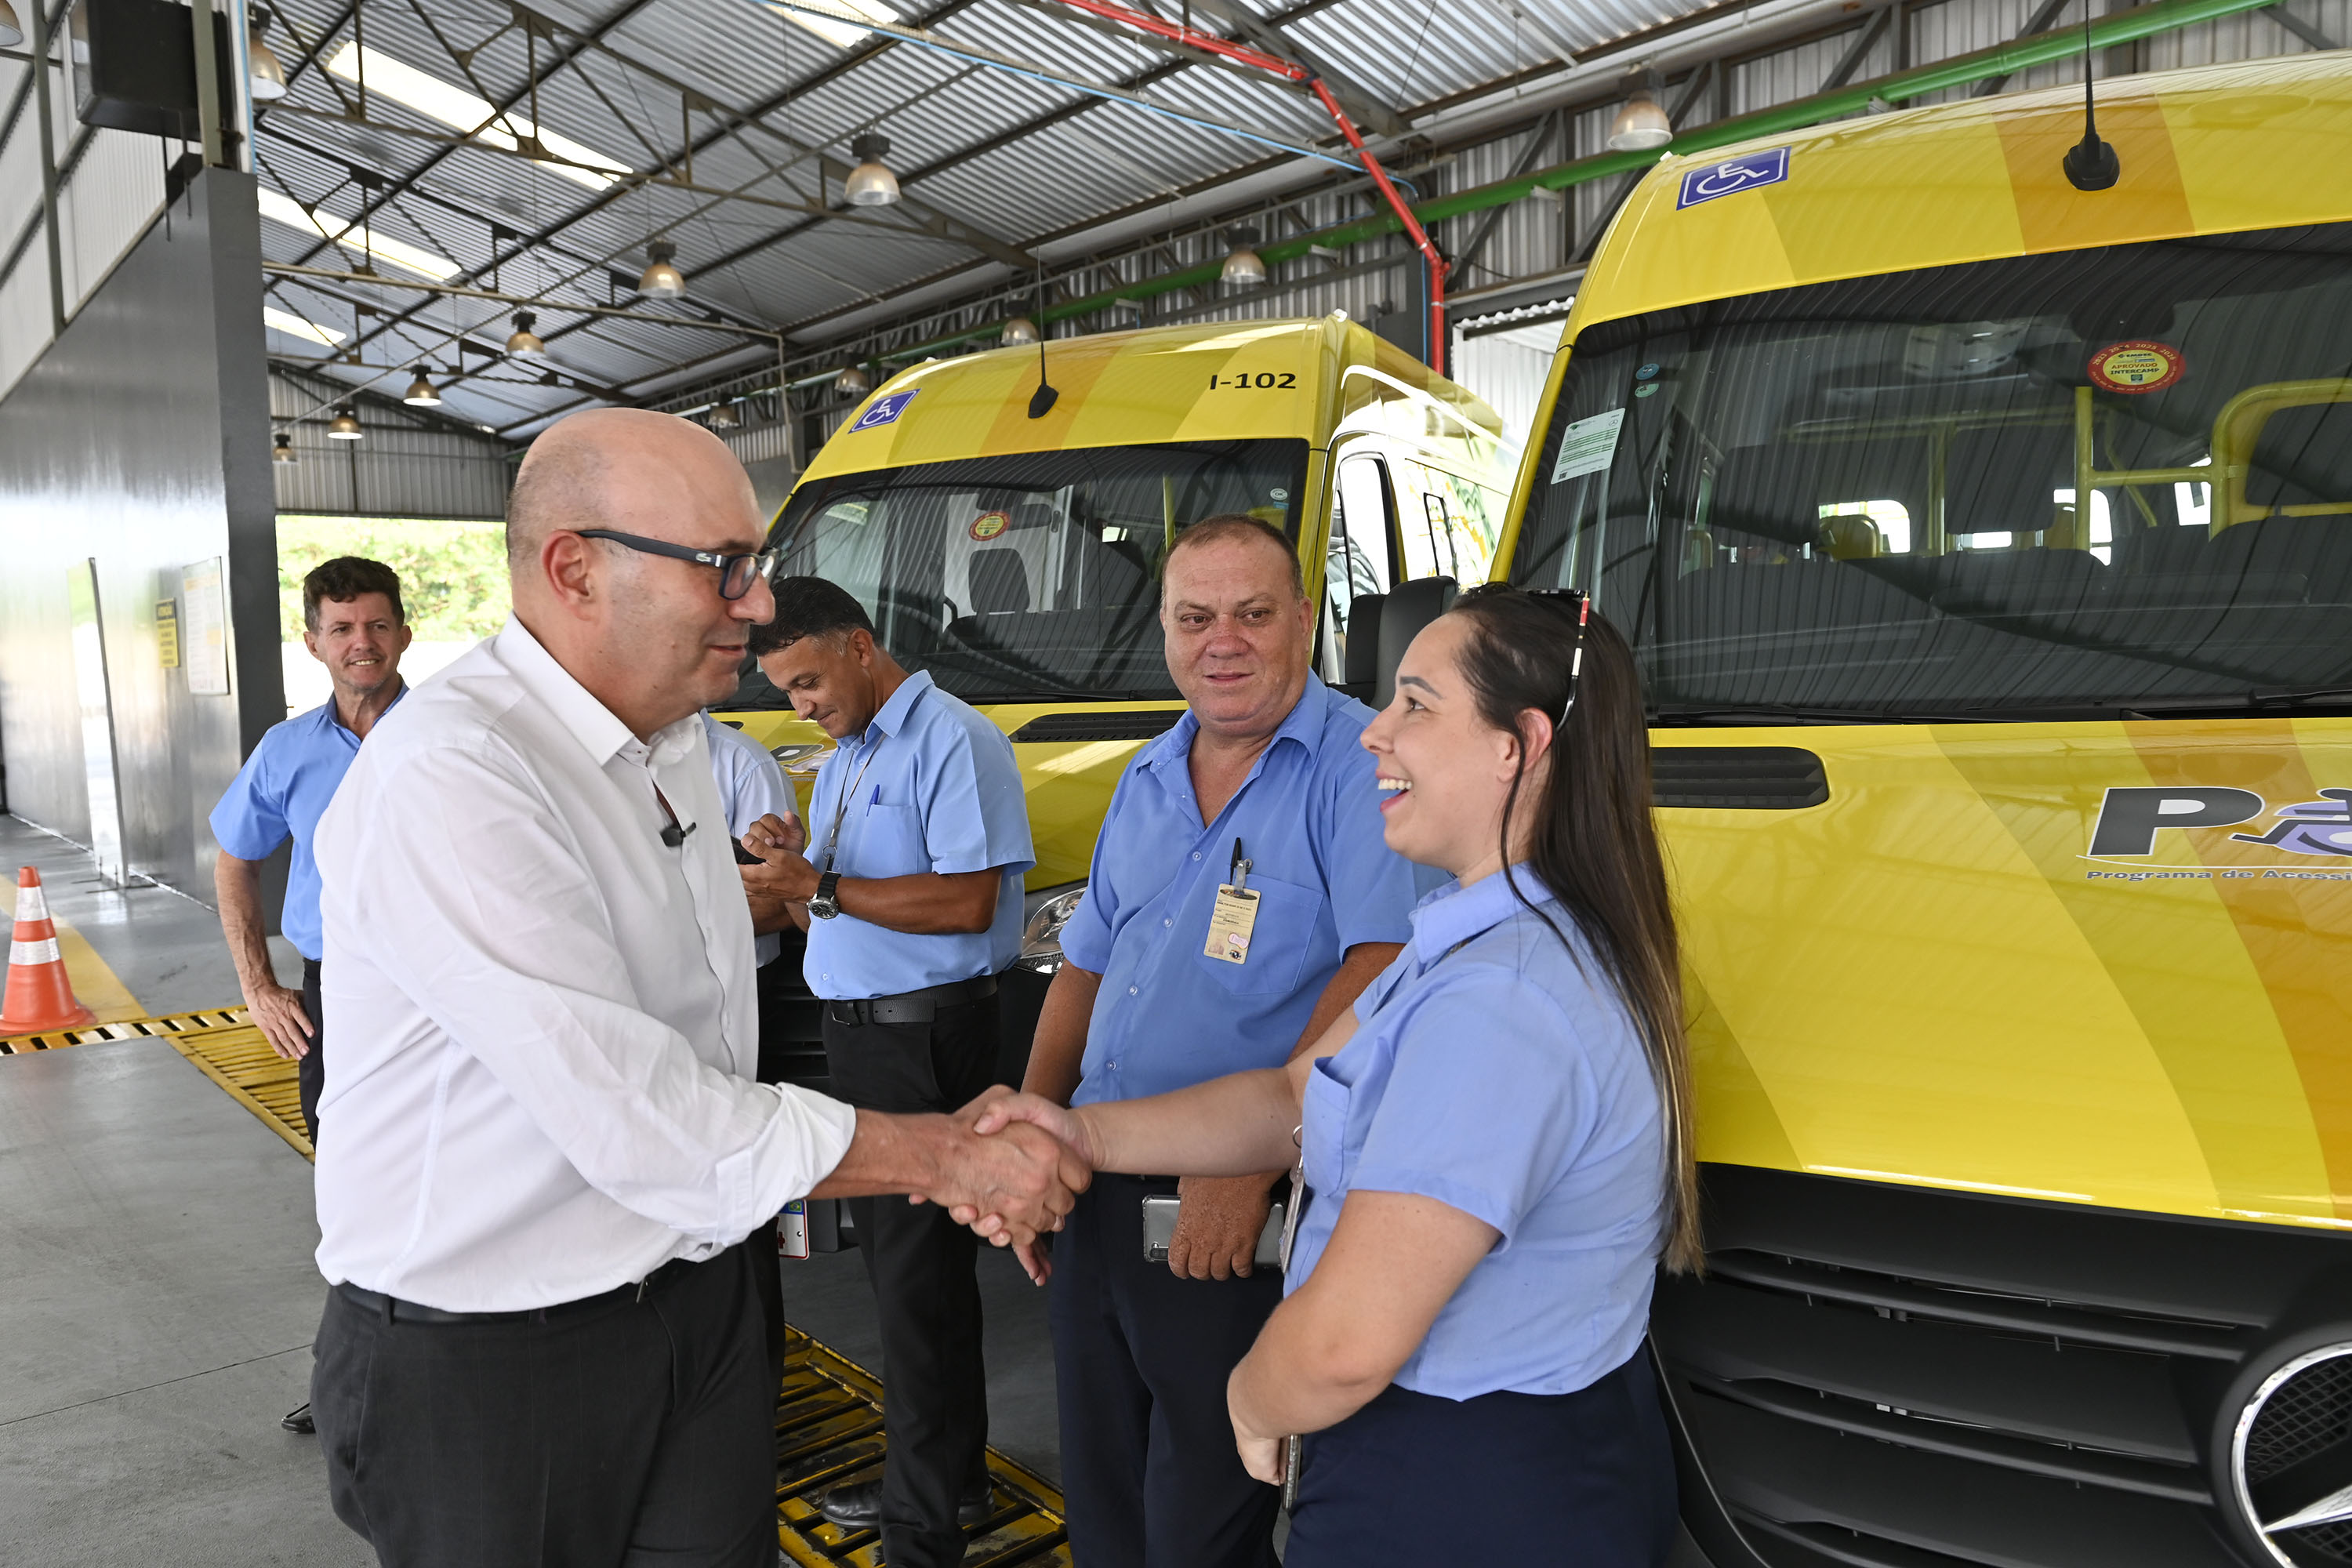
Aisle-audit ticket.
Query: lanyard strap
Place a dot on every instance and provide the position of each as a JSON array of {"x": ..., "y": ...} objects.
[{"x": 840, "y": 807}]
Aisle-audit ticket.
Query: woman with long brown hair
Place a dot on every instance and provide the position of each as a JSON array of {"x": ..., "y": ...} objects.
[{"x": 1496, "y": 1147}]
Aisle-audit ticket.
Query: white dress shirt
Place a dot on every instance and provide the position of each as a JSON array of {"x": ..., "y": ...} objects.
[
  {"x": 542, "y": 1015},
  {"x": 750, "y": 785}
]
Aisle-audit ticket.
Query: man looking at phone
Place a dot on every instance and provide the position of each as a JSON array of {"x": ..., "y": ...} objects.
[
  {"x": 910, "y": 892},
  {"x": 1256, "y": 817}
]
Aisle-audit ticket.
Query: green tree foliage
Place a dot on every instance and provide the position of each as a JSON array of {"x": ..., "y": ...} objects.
[{"x": 452, "y": 575}]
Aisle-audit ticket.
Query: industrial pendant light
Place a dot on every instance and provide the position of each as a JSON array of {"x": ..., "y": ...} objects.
[
  {"x": 1244, "y": 268},
  {"x": 345, "y": 425},
  {"x": 420, "y": 393},
  {"x": 1019, "y": 332},
  {"x": 12, "y": 31},
  {"x": 281, "y": 451},
  {"x": 852, "y": 382},
  {"x": 871, "y": 184},
  {"x": 266, "y": 78},
  {"x": 525, "y": 343},
  {"x": 1641, "y": 126},
  {"x": 660, "y": 280}
]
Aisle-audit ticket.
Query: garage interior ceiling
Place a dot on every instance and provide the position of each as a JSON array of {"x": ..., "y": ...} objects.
[
  {"x": 526, "y": 159},
  {"x": 724, "y": 127}
]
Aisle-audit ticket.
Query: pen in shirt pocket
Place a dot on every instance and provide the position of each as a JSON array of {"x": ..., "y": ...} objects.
[{"x": 875, "y": 799}]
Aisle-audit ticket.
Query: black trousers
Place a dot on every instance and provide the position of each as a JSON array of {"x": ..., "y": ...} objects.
[
  {"x": 310, "y": 1072},
  {"x": 1585, "y": 1477},
  {"x": 1141, "y": 1357},
  {"x": 926, "y": 1295},
  {"x": 636, "y": 1434}
]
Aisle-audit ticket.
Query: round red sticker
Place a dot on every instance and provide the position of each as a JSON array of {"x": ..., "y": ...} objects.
[
  {"x": 989, "y": 524},
  {"x": 2139, "y": 365}
]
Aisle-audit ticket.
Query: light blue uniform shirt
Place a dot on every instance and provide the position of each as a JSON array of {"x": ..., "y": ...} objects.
[
  {"x": 280, "y": 794},
  {"x": 929, "y": 786},
  {"x": 1491, "y": 1072},
  {"x": 1168, "y": 1016},
  {"x": 750, "y": 785}
]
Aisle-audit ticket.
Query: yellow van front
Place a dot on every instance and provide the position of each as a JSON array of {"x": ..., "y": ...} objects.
[
  {"x": 1988, "y": 546},
  {"x": 1015, "y": 554}
]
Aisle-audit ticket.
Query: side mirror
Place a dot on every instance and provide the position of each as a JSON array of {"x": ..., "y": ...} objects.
[{"x": 1410, "y": 606}]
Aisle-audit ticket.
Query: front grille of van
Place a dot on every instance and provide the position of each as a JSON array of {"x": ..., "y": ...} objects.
[
  {"x": 1736, "y": 778},
  {"x": 1878, "y": 1376}
]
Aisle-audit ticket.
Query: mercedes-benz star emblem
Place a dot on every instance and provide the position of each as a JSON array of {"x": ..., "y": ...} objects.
[{"x": 2290, "y": 1459}]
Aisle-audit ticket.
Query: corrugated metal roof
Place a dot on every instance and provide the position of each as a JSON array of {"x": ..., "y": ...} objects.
[
  {"x": 1006, "y": 155},
  {"x": 994, "y": 163}
]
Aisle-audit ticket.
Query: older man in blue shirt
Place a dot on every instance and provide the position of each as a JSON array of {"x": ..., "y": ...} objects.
[
  {"x": 910, "y": 889},
  {"x": 1262, "y": 784}
]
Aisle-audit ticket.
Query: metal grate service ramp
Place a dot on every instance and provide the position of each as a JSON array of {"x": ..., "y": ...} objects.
[
  {"x": 829, "y": 1426},
  {"x": 829, "y": 1431}
]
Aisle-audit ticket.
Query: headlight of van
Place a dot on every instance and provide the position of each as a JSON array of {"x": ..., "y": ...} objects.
[
  {"x": 1041, "y": 936},
  {"x": 801, "y": 759}
]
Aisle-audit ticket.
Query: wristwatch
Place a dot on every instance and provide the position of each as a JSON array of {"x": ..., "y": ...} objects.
[{"x": 823, "y": 905}]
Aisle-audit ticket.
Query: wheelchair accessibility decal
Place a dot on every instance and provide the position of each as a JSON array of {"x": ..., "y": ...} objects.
[
  {"x": 1732, "y": 176},
  {"x": 885, "y": 410},
  {"x": 2130, "y": 819}
]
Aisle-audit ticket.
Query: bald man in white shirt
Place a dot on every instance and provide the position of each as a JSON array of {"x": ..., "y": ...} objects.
[{"x": 542, "y": 1342}]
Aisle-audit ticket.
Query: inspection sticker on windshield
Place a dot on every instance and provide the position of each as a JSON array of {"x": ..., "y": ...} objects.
[
  {"x": 1587, "y": 445},
  {"x": 2138, "y": 366},
  {"x": 885, "y": 410},
  {"x": 988, "y": 525},
  {"x": 1732, "y": 176}
]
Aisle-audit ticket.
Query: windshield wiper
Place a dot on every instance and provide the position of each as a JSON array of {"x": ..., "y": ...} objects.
[
  {"x": 2250, "y": 702},
  {"x": 1790, "y": 713},
  {"x": 1055, "y": 694}
]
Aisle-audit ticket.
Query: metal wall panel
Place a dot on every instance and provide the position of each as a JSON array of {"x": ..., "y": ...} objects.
[
  {"x": 115, "y": 192},
  {"x": 141, "y": 437},
  {"x": 405, "y": 467}
]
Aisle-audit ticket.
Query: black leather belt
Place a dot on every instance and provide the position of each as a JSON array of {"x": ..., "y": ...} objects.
[
  {"x": 393, "y": 1309},
  {"x": 912, "y": 1007}
]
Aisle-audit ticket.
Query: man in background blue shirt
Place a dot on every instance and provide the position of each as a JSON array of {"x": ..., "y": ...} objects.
[
  {"x": 354, "y": 624},
  {"x": 1261, "y": 784},
  {"x": 910, "y": 892}
]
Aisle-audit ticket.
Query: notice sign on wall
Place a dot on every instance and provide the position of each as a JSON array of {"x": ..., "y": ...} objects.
[
  {"x": 203, "y": 628},
  {"x": 167, "y": 633}
]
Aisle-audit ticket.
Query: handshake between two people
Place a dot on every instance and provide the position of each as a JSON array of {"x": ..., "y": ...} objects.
[{"x": 1009, "y": 1165}]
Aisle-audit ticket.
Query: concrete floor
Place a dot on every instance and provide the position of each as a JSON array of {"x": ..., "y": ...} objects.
[
  {"x": 160, "y": 1295},
  {"x": 156, "y": 1322}
]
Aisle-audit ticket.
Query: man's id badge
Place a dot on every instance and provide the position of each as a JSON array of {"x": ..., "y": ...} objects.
[{"x": 1231, "y": 921}]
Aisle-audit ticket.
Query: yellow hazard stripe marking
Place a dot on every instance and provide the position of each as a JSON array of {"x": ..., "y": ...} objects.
[{"x": 94, "y": 985}]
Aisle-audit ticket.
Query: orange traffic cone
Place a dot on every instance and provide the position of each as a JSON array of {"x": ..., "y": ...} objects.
[{"x": 39, "y": 995}]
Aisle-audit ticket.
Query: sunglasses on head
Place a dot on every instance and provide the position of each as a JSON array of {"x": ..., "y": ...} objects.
[{"x": 1578, "y": 603}]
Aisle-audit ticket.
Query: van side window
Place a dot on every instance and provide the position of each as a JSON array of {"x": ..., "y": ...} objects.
[{"x": 1359, "y": 559}]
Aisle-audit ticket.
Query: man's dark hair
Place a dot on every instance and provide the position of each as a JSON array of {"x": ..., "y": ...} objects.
[
  {"x": 1237, "y": 525},
  {"x": 809, "y": 608},
  {"x": 346, "y": 577}
]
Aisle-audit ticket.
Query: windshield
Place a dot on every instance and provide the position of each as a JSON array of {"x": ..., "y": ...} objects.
[
  {"x": 1033, "y": 577},
  {"x": 2049, "y": 486}
]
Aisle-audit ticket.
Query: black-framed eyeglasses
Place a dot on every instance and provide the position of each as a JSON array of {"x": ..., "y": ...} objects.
[
  {"x": 736, "y": 573},
  {"x": 1579, "y": 603}
]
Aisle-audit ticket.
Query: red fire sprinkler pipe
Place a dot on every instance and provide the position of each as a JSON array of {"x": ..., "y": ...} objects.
[{"x": 1177, "y": 33}]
